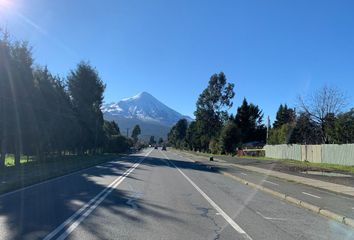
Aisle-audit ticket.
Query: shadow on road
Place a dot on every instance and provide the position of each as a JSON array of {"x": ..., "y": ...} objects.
[{"x": 34, "y": 212}]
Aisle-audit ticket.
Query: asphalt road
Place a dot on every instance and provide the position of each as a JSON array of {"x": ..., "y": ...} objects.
[
  {"x": 156, "y": 195},
  {"x": 339, "y": 203}
]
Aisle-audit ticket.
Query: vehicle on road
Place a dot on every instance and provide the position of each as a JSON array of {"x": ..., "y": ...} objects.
[{"x": 163, "y": 148}]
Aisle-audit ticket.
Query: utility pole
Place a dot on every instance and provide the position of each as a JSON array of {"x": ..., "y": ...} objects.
[
  {"x": 127, "y": 132},
  {"x": 268, "y": 127}
]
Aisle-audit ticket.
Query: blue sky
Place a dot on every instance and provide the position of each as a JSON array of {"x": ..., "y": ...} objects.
[{"x": 272, "y": 50}]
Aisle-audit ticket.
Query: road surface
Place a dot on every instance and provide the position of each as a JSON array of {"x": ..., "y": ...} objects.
[{"x": 156, "y": 195}]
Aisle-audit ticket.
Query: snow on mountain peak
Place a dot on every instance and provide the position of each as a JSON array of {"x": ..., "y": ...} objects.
[{"x": 145, "y": 107}]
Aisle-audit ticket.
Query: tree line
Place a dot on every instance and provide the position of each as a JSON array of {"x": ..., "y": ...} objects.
[
  {"x": 213, "y": 129},
  {"x": 42, "y": 114},
  {"x": 320, "y": 119}
]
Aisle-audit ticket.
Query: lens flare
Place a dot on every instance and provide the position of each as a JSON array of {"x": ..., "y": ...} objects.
[{"x": 6, "y": 3}]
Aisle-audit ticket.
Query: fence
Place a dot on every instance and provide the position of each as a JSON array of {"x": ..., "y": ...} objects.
[{"x": 326, "y": 153}]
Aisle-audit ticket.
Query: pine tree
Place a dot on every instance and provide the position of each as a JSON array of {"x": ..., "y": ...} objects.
[
  {"x": 135, "y": 133},
  {"x": 86, "y": 91},
  {"x": 249, "y": 120}
]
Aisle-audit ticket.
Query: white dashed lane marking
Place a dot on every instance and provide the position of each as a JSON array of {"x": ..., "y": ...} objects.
[
  {"x": 275, "y": 184},
  {"x": 309, "y": 194}
]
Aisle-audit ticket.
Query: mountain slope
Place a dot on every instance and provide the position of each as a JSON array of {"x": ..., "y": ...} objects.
[{"x": 154, "y": 117}]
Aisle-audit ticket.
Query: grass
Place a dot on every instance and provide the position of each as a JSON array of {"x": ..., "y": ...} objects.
[
  {"x": 32, "y": 172},
  {"x": 10, "y": 160},
  {"x": 296, "y": 163}
]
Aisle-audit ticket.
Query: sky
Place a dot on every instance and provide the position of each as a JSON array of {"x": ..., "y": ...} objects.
[{"x": 273, "y": 51}]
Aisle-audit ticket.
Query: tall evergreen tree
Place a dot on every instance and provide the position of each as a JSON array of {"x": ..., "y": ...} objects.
[
  {"x": 152, "y": 140},
  {"x": 135, "y": 133},
  {"x": 17, "y": 95},
  {"x": 306, "y": 131},
  {"x": 86, "y": 91},
  {"x": 177, "y": 134},
  {"x": 249, "y": 120},
  {"x": 284, "y": 115}
]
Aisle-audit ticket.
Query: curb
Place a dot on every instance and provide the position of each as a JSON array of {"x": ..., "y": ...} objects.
[{"x": 326, "y": 213}]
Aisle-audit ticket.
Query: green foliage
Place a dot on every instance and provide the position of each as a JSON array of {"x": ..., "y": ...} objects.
[
  {"x": 86, "y": 92},
  {"x": 214, "y": 146},
  {"x": 192, "y": 139},
  {"x": 135, "y": 133},
  {"x": 306, "y": 131},
  {"x": 341, "y": 129},
  {"x": 249, "y": 120},
  {"x": 42, "y": 115},
  {"x": 152, "y": 140},
  {"x": 160, "y": 140},
  {"x": 111, "y": 128},
  {"x": 176, "y": 136},
  {"x": 118, "y": 144},
  {"x": 230, "y": 137},
  {"x": 282, "y": 134},
  {"x": 211, "y": 109},
  {"x": 284, "y": 115}
]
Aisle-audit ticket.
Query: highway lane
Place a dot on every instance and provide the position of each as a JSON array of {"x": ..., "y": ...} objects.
[
  {"x": 338, "y": 203},
  {"x": 162, "y": 203},
  {"x": 32, "y": 212},
  {"x": 165, "y": 196}
]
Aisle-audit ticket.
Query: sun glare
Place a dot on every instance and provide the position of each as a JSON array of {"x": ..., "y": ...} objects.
[{"x": 6, "y": 3}]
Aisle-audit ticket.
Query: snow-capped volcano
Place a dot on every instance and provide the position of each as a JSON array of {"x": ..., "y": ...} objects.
[{"x": 141, "y": 109}]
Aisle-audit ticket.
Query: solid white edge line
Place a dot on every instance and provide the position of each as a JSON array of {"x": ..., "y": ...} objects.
[
  {"x": 275, "y": 184},
  {"x": 309, "y": 194},
  {"x": 212, "y": 203},
  {"x": 92, "y": 202}
]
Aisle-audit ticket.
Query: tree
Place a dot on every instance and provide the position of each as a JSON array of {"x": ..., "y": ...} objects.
[
  {"x": 160, "y": 140},
  {"x": 284, "y": 115},
  {"x": 281, "y": 134},
  {"x": 111, "y": 128},
  {"x": 306, "y": 131},
  {"x": 249, "y": 120},
  {"x": 230, "y": 137},
  {"x": 341, "y": 131},
  {"x": 177, "y": 134},
  {"x": 135, "y": 133},
  {"x": 56, "y": 121},
  {"x": 192, "y": 137},
  {"x": 323, "y": 103},
  {"x": 17, "y": 95},
  {"x": 152, "y": 140},
  {"x": 86, "y": 91},
  {"x": 211, "y": 108}
]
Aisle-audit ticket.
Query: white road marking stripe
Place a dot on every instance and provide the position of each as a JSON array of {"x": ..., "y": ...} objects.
[
  {"x": 244, "y": 174},
  {"x": 212, "y": 203},
  {"x": 270, "y": 218},
  {"x": 85, "y": 210},
  {"x": 309, "y": 194},
  {"x": 276, "y": 184}
]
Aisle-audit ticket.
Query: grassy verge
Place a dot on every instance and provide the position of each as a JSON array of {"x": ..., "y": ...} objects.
[
  {"x": 293, "y": 163},
  {"x": 10, "y": 160},
  {"x": 32, "y": 172}
]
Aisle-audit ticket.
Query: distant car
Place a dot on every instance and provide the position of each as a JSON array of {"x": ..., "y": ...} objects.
[
  {"x": 164, "y": 148},
  {"x": 156, "y": 147}
]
